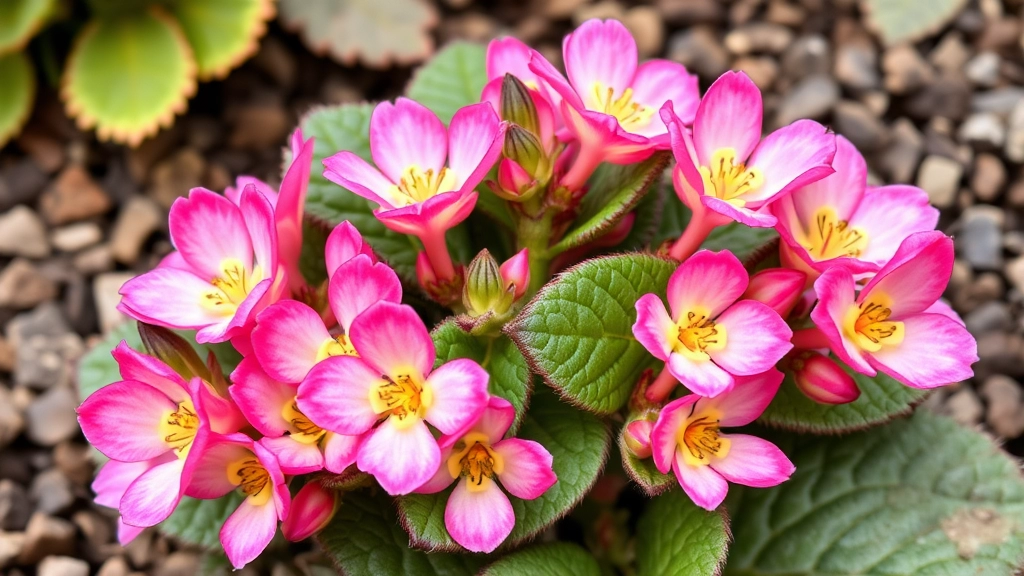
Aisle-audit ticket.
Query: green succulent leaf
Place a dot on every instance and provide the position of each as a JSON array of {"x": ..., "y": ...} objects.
[
  {"x": 17, "y": 93},
  {"x": 578, "y": 443},
  {"x": 614, "y": 191},
  {"x": 453, "y": 78},
  {"x": 899, "y": 21},
  {"x": 223, "y": 33},
  {"x": 510, "y": 376},
  {"x": 128, "y": 75},
  {"x": 578, "y": 331},
  {"x": 19, "y": 22},
  {"x": 920, "y": 496},
  {"x": 676, "y": 538},
  {"x": 552, "y": 559},
  {"x": 199, "y": 521},
  {"x": 365, "y": 539},
  {"x": 881, "y": 399}
]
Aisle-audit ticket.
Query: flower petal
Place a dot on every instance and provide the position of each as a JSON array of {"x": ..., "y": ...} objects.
[
  {"x": 439, "y": 213},
  {"x": 494, "y": 422},
  {"x": 287, "y": 339},
  {"x": 600, "y": 55},
  {"x": 340, "y": 451},
  {"x": 475, "y": 136},
  {"x": 479, "y": 520},
  {"x": 459, "y": 389},
  {"x": 835, "y": 297},
  {"x": 115, "y": 477},
  {"x": 401, "y": 459},
  {"x": 336, "y": 395},
  {"x": 935, "y": 351},
  {"x": 889, "y": 214},
  {"x": 122, "y": 420},
  {"x": 152, "y": 497},
  {"x": 704, "y": 377},
  {"x": 729, "y": 116},
  {"x": 248, "y": 531},
  {"x": 702, "y": 484},
  {"x": 207, "y": 229},
  {"x": 916, "y": 276},
  {"x": 343, "y": 244},
  {"x": 147, "y": 369},
  {"x": 261, "y": 398},
  {"x": 660, "y": 81},
  {"x": 208, "y": 476},
  {"x": 262, "y": 229},
  {"x": 392, "y": 337},
  {"x": 527, "y": 469},
  {"x": 842, "y": 191},
  {"x": 756, "y": 338},
  {"x": 653, "y": 326},
  {"x": 752, "y": 461},
  {"x": 747, "y": 399},
  {"x": 168, "y": 297},
  {"x": 293, "y": 456},
  {"x": 441, "y": 479},
  {"x": 358, "y": 284},
  {"x": 351, "y": 172},
  {"x": 666, "y": 429},
  {"x": 743, "y": 215},
  {"x": 709, "y": 280},
  {"x": 790, "y": 158},
  {"x": 406, "y": 134}
]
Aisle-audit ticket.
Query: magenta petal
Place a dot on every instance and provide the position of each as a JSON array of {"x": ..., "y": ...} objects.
[
  {"x": 147, "y": 369},
  {"x": 527, "y": 469},
  {"x": 439, "y": 213},
  {"x": 756, "y": 338},
  {"x": 336, "y": 395},
  {"x": 259, "y": 221},
  {"x": 402, "y": 460},
  {"x": 406, "y": 134},
  {"x": 340, "y": 451},
  {"x": 115, "y": 477},
  {"x": 351, "y": 172},
  {"x": 126, "y": 533},
  {"x": 358, "y": 284},
  {"x": 842, "y": 191},
  {"x": 441, "y": 479},
  {"x": 835, "y": 297},
  {"x": 790, "y": 158},
  {"x": 935, "y": 351},
  {"x": 391, "y": 337},
  {"x": 666, "y": 428},
  {"x": 479, "y": 520},
  {"x": 729, "y": 116},
  {"x": 653, "y": 326},
  {"x": 702, "y": 484},
  {"x": 747, "y": 399},
  {"x": 248, "y": 531},
  {"x": 660, "y": 81},
  {"x": 745, "y": 216},
  {"x": 916, "y": 276},
  {"x": 890, "y": 214},
  {"x": 943, "y": 308},
  {"x": 709, "y": 280},
  {"x": 287, "y": 339},
  {"x": 600, "y": 134},
  {"x": 752, "y": 461},
  {"x": 293, "y": 456},
  {"x": 168, "y": 297},
  {"x": 207, "y": 229},
  {"x": 343, "y": 244},
  {"x": 475, "y": 136},
  {"x": 122, "y": 420},
  {"x": 600, "y": 53},
  {"x": 153, "y": 496},
  {"x": 208, "y": 477},
  {"x": 261, "y": 398},
  {"x": 459, "y": 389},
  {"x": 704, "y": 377},
  {"x": 494, "y": 422}
]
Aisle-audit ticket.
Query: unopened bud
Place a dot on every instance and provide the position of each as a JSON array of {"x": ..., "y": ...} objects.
[
  {"x": 517, "y": 105},
  {"x": 516, "y": 273},
  {"x": 822, "y": 379},
  {"x": 485, "y": 290},
  {"x": 310, "y": 510},
  {"x": 514, "y": 183},
  {"x": 779, "y": 288},
  {"x": 525, "y": 148},
  {"x": 174, "y": 351},
  {"x": 637, "y": 437}
]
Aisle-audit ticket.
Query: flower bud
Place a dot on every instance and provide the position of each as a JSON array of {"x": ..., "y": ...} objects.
[
  {"x": 517, "y": 105},
  {"x": 526, "y": 150},
  {"x": 637, "y": 437},
  {"x": 822, "y": 379},
  {"x": 514, "y": 183},
  {"x": 174, "y": 351},
  {"x": 310, "y": 510},
  {"x": 779, "y": 288},
  {"x": 516, "y": 273},
  {"x": 485, "y": 290}
]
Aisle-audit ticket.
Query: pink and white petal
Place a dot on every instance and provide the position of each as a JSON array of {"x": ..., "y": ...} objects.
[
  {"x": 358, "y": 284},
  {"x": 351, "y": 172},
  {"x": 702, "y": 484},
  {"x": 475, "y": 136},
  {"x": 437, "y": 214},
  {"x": 401, "y": 459},
  {"x": 174, "y": 260},
  {"x": 152, "y": 497},
  {"x": 260, "y": 222},
  {"x": 709, "y": 280},
  {"x": 729, "y": 116},
  {"x": 208, "y": 464},
  {"x": 294, "y": 457},
  {"x": 122, "y": 420},
  {"x": 559, "y": 91},
  {"x": 510, "y": 56},
  {"x": 406, "y": 134},
  {"x": 144, "y": 368},
  {"x": 495, "y": 420},
  {"x": 943, "y": 308},
  {"x": 916, "y": 276},
  {"x": 340, "y": 451},
  {"x": 261, "y": 398},
  {"x": 248, "y": 531},
  {"x": 527, "y": 469},
  {"x": 935, "y": 351},
  {"x": 392, "y": 337},
  {"x": 168, "y": 297},
  {"x": 666, "y": 429},
  {"x": 441, "y": 479},
  {"x": 220, "y": 413},
  {"x": 704, "y": 378},
  {"x": 115, "y": 477},
  {"x": 745, "y": 216},
  {"x": 207, "y": 229},
  {"x": 756, "y": 338},
  {"x": 685, "y": 154},
  {"x": 600, "y": 55},
  {"x": 600, "y": 134},
  {"x": 288, "y": 210},
  {"x": 660, "y": 81},
  {"x": 889, "y": 214},
  {"x": 343, "y": 244},
  {"x": 234, "y": 193},
  {"x": 754, "y": 462},
  {"x": 790, "y": 158},
  {"x": 459, "y": 390},
  {"x": 479, "y": 520},
  {"x": 842, "y": 191},
  {"x": 653, "y": 326},
  {"x": 747, "y": 400},
  {"x": 835, "y": 290},
  {"x": 336, "y": 395},
  {"x": 126, "y": 532},
  {"x": 287, "y": 339},
  {"x": 244, "y": 318}
]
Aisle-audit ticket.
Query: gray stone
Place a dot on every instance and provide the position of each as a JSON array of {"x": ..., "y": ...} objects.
[
  {"x": 940, "y": 177},
  {"x": 905, "y": 70},
  {"x": 94, "y": 260},
  {"x": 105, "y": 289},
  {"x": 47, "y": 361},
  {"x": 63, "y": 566},
  {"x": 807, "y": 56},
  {"x": 1014, "y": 148},
  {"x": 998, "y": 101},
  {"x": 22, "y": 233},
  {"x": 45, "y": 536},
  {"x": 980, "y": 238},
  {"x": 51, "y": 492},
  {"x": 964, "y": 407},
  {"x": 813, "y": 97},
  {"x": 903, "y": 153},
  {"x": 859, "y": 125},
  {"x": 74, "y": 237},
  {"x": 758, "y": 37},
  {"x": 856, "y": 66},
  {"x": 15, "y": 509},
  {"x": 983, "y": 69},
  {"x": 989, "y": 317},
  {"x": 51, "y": 417},
  {"x": 946, "y": 97},
  {"x": 73, "y": 196},
  {"x": 983, "y": 129},
  {"x": 139, "y": 218},
  {"x": 22, "y": 286},
  {"x": 950, "y": 55},
  {"x": 1005, "y": 412},
  {"x": 179, "y": 564},
  {"x": 700, "y": 50}
]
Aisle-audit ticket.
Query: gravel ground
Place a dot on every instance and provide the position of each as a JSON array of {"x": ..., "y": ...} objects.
[{"x": 77, "y": 217}]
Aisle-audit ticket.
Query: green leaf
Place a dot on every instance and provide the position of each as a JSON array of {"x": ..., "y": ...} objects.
[
  {"x": 378, "y": 34},
  {"x": 552, "y": 559},
  {"x": 311, "y": 259},
  {"x": 578, "y": 443},
  {"x": 128, "y": 75},
  {"x": 676, "y": 538},
  {"x": 899, "y": 21},
  {"x": 223, "y": 33},
  {"x": 577, "y": 332},
  {"x": 614, "y": 191},
  {"x": 510, "y": 376},
  {"x": 643, "y": 471},
  {"x": 650, "y": 213},
  {"x": 920, "y": 496},
  {"x": 365, "y": 539},
  {"x": 881, "y": 399},
  {"x": 199, "y": 521},
  {"x": 17, "y": 93},
  {"x": 453, "y": 78},
  {"x": 19, "y": 22}
]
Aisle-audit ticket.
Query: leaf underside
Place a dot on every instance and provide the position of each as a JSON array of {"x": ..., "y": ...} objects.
[{"x": 222, "y": 33}]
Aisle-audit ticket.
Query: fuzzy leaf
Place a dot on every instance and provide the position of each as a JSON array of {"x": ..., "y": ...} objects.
[
  {"x": 551, "y": 559},
  {"x": 649, "y": 214},
  {"x": 643, "y": 471},
  {"x": 19, "y": 22},
  {"x": 676, "y": 538},
  {"x": 17, "y": 93},
  {"x": 365, "y": 539},
  {"x": 898, "y": 21},
  {"x": 577, "y": 332},
  {"x": 128, "y": 75},
  {"x": 453, "y": 78},
  {"x": 881, "y": 399},
  {"x": 614, "y": 191},
  {"x": 510, "y": 376},
  {"x": 578, "y": 443},
  {"x": 223, "y": 33},
  {"x": 920, "y": 496},
  {"x": 376, "y": 33},
  {"x": 199, "y": 521}
]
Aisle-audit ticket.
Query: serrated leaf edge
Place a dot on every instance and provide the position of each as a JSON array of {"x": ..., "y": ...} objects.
[
  {"x": 26, "y": 113},
  {"x": 266, "y": 11},
  {"x": 19, "y": 44}
]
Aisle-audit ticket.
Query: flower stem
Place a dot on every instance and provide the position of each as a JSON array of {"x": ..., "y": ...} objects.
[
  {"x": 437, "y": 252},
  {"x": 696, "y": 232},
  {"x": 662, "y": 386},
  {"x": 588, "y": 159},
  {"x": 810, "y": 339},
  {"x": 534, "y": 233}
]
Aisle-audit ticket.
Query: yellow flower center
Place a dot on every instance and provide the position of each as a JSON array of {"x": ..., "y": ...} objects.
[
  {"x": 338, "y": 346},
  {"x": 868, "y": 325},
  {"x": 302, "y": 428},
  {"x": 417, "y": 185},
  {"x": 179, "y": 428},
  {"x": 231, "y": 287},
  {"x": 829, "y": 237},
  {"x": 403, "y": 398},
  {"x": 699, "y": 439},
  {"x": 248, "y": 474},
  {"x": 631, "y": 115},
  {"x": 696, "y": 333},
  {"x": 474, "y": 459},
  {"x": 728, "y": 179}
]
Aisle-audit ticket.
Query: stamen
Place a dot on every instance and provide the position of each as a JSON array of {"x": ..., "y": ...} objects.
[
  {"x": 231, "y": 288},
  {"x": 696, "y": 332},
  {"x": 417, "y": 185},
  {"x": 180, "y": 427},
  {"x": 477, "y": 464},
  {"x": 253, "y": 479},
  {"x": 631, "y": 115},
  {"x": 403, "y": 397},
  {"x": 727, "y": 179},
  {"x": 831, "y": 237},
  {"x": 869, "y": 325},
  {"x": 473, "y": 459},
  {"x": 337, "y": 346},
  {"x": 302, "y": 428},
  {"x": 701, "y": 439}
]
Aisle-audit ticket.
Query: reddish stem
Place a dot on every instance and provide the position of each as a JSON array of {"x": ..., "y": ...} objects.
[
  {"x": 437, "y": 252},
  {"x": 583, "y": 166},
  {"x": 662, "y": 386},
  {"x": 810, "y": 339},
  {"x": 696, "y": 232}
]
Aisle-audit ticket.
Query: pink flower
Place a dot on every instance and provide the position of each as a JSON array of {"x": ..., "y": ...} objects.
[
  {"x": 511, "y": 56},
  {"x": 727, "y": 168},
  {"x": 311, "y": 510},
  {"x": 710, "y": 338},
  {"x": 840, "y": 220},
  {"x": 609, "y": 103},
  {"x": 637, "y": 437},
  {"x": 821, "y": 379},
  {"x": 390, "y": 392},
  {"x": 896, "y": 323},
  {"x": 516, "y": 272},
  {"x": 688, "y": 440},
  {"x": 111, "y": 483},
  {"x": 225, "y": 272},
  {"x": 479, "y": 516},
  {"x": 779, "y": 288},
  {"x": 236, "y": 462}
]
